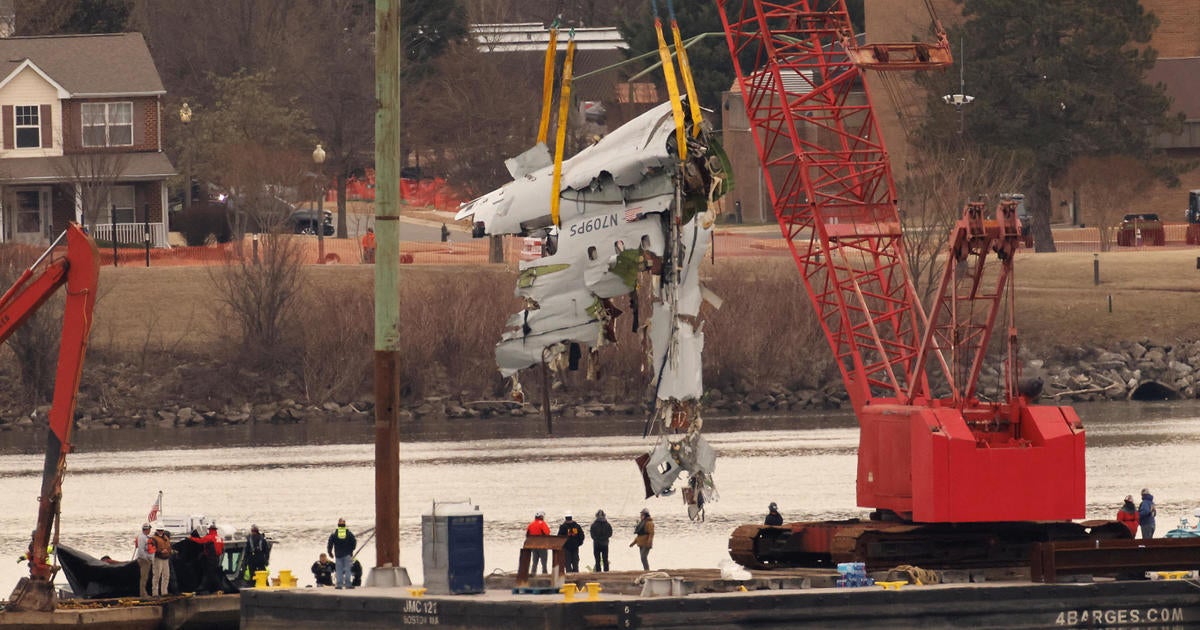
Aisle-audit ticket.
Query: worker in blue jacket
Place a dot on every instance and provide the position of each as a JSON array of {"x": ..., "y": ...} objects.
[{"x": 1146, "y": 514}]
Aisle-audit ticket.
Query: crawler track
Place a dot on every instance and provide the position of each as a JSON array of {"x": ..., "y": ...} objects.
[{"x": 883, "y": 545}]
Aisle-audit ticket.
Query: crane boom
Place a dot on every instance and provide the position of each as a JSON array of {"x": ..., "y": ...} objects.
[
  {"x": 827, "y": 173},
  {"x": 79, "y": 270},
  {"x": 922, "y": 458}
]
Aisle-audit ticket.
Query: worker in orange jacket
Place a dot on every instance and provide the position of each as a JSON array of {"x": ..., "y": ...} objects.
[
  {"x": 1128, "y": 514},
  {"x": 368, "y": 245},
  {"x": 538, "y": 527},
  {"x": 210, "y": 558}
]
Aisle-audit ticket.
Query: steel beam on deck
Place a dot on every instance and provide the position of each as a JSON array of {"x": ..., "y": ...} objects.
[{"x": 1051, "y": 560}]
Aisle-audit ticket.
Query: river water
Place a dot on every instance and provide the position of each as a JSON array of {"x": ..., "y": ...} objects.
[{"x": 295, "y": 481}]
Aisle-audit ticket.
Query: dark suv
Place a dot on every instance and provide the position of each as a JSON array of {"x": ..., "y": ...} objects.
[
  {"x": 1141, "y": 229},
  {"x": 304, "y": 221}
]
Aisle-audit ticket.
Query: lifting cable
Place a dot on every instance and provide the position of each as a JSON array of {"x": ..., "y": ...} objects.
[
  {"x": 664, "y": 54},
  {"x": 548, "y": 83},
  {"x": 560, "y": 140},
  {"x": 685, "y": 70}
]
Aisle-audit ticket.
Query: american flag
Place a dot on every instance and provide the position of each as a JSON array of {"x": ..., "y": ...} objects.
[
  {"x": 632, "y": 214},
  {"x": 154, "y": 509}
]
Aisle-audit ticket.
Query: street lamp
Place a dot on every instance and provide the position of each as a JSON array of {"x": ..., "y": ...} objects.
[
  {"x": 319, "y": 159},
  {"x": 185, "y": 117},
  {"x": 960, "y": 99}
]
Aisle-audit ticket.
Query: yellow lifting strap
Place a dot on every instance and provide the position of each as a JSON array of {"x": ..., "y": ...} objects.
[
  {"x": 560, "y": 141},
  {"x": 685, "y": 70},
  {"x": 672, "y": 90},
  {"x": 548, "y": 85}
]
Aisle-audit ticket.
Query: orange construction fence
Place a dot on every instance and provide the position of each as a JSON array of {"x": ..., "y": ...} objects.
[{"x": 428, "y": 192}]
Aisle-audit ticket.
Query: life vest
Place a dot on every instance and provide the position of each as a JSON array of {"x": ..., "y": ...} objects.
[
  {"x": 151, "y": 548},
  {"x": 163, "y": 548}
]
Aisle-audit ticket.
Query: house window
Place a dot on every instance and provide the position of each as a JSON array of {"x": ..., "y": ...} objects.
[
  {"x": 29, "y": 212},
  {"x": 28, "y": 126},
  {"x": 121, "y": 205},
  {"x": 107, "y": 124}
]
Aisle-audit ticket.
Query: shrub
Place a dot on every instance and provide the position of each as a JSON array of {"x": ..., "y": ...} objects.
[{"x": 34, "y": 345}]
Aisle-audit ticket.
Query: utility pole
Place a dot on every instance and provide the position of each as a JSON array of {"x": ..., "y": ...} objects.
[{"x": 387, "y": 571}]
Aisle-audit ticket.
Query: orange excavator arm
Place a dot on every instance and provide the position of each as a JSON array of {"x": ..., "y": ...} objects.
[{"x": 79, "y": 270}]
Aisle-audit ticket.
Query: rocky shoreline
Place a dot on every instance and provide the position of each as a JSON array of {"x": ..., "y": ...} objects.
[{"x": 1138, "y": 370}]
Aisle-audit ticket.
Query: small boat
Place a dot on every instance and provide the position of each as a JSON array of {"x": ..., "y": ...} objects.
[
  {"x": 93, "y": 578},
  {"x": 1185, "y": 530}
]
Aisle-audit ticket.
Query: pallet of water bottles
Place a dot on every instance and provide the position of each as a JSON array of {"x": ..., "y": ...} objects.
[{"x": 853, "y": 575}]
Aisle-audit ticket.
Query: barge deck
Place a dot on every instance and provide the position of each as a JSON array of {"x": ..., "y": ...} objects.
[{"x": 773, "y": 601}]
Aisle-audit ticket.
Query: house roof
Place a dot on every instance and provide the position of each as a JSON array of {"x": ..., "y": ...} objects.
[
  {"x": 57, "y": 168},
  {"x": 117, "y": 64},
  {"x": 1179, "y": 75}
]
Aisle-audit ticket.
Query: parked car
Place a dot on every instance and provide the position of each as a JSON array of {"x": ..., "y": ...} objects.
[
  {"x": 304, "y": 221},
  {"x": 1146, "y": 226}
]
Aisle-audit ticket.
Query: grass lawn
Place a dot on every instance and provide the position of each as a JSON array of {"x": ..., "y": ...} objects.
[{"x": 1153, "y": 293}]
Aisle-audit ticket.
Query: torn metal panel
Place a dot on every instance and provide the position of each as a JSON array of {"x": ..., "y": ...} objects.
[
  {"x": 630, "y": 214},
  {"x": 630, "y": 154},
  {"x": 535, "y": 158},
  {"x": 677, "y": 361},
  {"x": 661, "y": 470}
]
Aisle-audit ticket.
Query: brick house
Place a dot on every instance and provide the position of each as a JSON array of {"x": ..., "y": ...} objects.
[{"x": 81, "y": 138}]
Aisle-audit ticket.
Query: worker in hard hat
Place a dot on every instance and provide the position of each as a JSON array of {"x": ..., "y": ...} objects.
[
  {"x": 574, "y": 534},
  {"x": 258, "y": 552},
  {"x": 538, "y": 527},
  {"x": 212, "y": 547},
  {"x": 144, "y": 554},
  {"x": 773, "y": 515}
]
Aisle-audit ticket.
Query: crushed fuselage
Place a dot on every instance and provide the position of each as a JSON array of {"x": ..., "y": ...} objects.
[{"x": 629, "y": 213}]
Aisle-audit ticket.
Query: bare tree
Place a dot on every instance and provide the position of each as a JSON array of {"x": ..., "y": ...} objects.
[
  {"x": 35, "y": 344},
  {"x": 487, "y": 112},
  {"x": 263, "y": 184},
  {"x": 933, "y": 197},
  {"x": 195, "y": 42},
  {"x": 337, "y": 349},
  {"x": 1106, "y": 187},
  {"x": 94, "y": 174},
  {"x": 333, "y": 77},
  {"x": 261, "y": 299}
]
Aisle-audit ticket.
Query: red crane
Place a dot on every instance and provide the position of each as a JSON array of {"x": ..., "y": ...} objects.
[
  {"x": 947, "y": 459},
  {"x": 79, "y": 270}
]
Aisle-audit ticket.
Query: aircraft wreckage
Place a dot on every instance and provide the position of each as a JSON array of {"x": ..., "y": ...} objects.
[{"x": 630, "y": 214}]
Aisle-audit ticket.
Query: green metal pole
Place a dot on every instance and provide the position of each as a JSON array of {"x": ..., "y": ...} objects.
[{"x": 387, "y": 283}]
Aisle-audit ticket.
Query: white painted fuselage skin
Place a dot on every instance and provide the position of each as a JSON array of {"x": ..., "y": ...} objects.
[{"x": 615, "y": 195}]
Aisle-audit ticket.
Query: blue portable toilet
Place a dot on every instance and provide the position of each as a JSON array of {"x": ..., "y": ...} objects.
[{"x": 452, "y": 548}]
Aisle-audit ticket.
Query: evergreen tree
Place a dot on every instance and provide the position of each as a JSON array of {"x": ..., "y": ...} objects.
[
  {"x": 99, "y": 16},
  {"x": 68, "y": 17},
  {"x": 1053, "y": 81},
  {"x": 711, "y": 66},
  {"x": 427, "y": 28}
]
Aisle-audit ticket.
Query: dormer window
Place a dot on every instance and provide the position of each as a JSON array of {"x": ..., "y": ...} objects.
[
  {"x": 107, "y": 124},
  {"x": 28, "y": 126}
]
